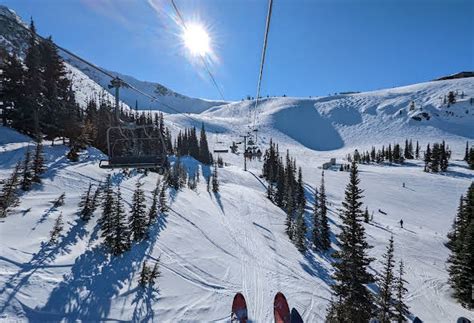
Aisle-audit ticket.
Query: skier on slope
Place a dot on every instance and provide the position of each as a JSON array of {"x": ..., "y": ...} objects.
[{"x": 401, "y": 223}]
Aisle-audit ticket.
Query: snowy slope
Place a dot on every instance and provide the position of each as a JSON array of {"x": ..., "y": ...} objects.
[
  {"x": 15, "y": 39},
  {"x": 212, "y": 246}
]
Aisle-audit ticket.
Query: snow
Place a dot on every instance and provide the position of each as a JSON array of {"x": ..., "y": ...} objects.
[{"x": 214, "y": 245}]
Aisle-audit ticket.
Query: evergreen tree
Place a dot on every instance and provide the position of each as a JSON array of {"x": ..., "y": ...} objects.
[
  {"x": 471, "y": 158},
  {"x": 461, "y": 245},
  {"x": 105, "y": 221},
  {"x": 57, "y": 229},
  {"x": 38, "y": 163},
  {"x": 138, "y": 218},
  {"x": 366, "y": 215},
  {"x": 316, "y": 234},
  {"x": 401, "y": 309},
  {"x": 26, "y": 176},
  {"x": 13, "y": 93},
  {"x": 9, "y": 192},
  {"x": 85, "y": 204},
  {"x": 417, "y": 150},
  {"x": 34, "y": 85},
  {"x": 163, "y": 200},
  {"x": 300, "y": 232},
  {"x": 144, "y": 275},
  {"x": 323, "y": 215},
  {"x": 352, "y": 299},
  {"x": 427, "y": 158},
  {"x": 386, "y": 284},
  {"x": 215, "y": 180},
  {"x": 466, "y": 153},
  {"x": 120, "y": 235},
  {"x": 300, "y": 195},
  {"x": 155, "y": 273},
  {"x": 153, "y": 212},
  {"x": 204, "y": 154}
]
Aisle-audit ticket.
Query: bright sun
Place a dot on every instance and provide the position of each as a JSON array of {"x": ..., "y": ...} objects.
[{"x": 197, "y": 40}]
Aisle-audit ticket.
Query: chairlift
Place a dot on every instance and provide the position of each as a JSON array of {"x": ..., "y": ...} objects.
[
  {"x": 132, "y": 146},
  {"x": 220, "y": 147}
]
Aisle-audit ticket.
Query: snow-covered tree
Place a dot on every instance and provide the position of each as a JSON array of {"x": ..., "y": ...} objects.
[
  {"x": 26, "y": 175},
  {"x": 138, "y": 216},
  {"x": 215, "y": 180},
  {"x": 85, "y": 211},
  {"x": 153, "y": 211},
  {"x": 400, "y": 307},
  {"x": 38, "y": 163},
  {"x": 386, "y": 286},
  {"x": 9, "y": 192}
]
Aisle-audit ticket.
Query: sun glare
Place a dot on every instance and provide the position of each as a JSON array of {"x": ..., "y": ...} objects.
[{"x": 197, "y": 40}]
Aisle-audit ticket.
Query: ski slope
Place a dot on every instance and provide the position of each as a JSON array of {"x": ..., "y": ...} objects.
[{"x": 214, "y": 245}]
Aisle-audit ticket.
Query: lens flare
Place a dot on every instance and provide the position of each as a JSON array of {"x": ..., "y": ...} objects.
[{"x": 197, "y": 40}]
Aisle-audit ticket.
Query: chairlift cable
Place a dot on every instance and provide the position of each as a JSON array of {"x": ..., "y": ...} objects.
[
  {"x": 203, "y": 59},
  {"x": 262, "y": 63}
]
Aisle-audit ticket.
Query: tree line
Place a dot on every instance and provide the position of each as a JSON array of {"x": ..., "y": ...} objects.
[
  {"x": 26, "y": 172},
  {"x": 469, "y": 156},
  {"x": 461, "y": 245},
  {"x": 286, "y": 189}
]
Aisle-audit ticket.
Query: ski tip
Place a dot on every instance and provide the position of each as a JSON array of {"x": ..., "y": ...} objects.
[
  {"x": 239, "y": 309},
  {"x": 295, "y": 316},
  {"x": 280, "y": 309}
]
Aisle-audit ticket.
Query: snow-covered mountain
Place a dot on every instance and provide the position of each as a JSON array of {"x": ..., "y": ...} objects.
[
  {"x": 14, "y": 39},
  {"x": 213, "y": 245}
]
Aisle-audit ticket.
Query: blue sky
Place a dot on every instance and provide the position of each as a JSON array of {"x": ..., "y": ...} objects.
[{"x": 316, "y": 47}]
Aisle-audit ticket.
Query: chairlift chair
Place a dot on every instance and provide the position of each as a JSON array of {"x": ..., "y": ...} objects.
[{"x": 132, "y": 146}]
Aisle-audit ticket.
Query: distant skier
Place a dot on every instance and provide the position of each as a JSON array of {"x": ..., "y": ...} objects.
[
  {"x": 401, "y": 223},
  {"x": 403, "y": 184}
]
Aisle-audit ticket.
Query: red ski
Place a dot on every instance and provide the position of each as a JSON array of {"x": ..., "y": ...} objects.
[
  {"x": 239, "y": 309},
  {"x": 281, "y": 309}
]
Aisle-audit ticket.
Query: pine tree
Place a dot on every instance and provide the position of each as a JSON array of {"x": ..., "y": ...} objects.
[
  {"x": 323, "y": 215},
  {"x": 215, "y": 180},
  {"x": 316, "y": 234},
  {"x": 94, "y": 202},
  {"x": 38, "y": 163},
  {"x": 13, "y": 93},
  {"x": 461, "y": 245},
  {"x": 401, "y": 309},
  {"x": 386, "y": 285},
  {"x": 57, "y": 229},
  {"x": 105, "y": 221},
  {"x": 120, "y": 235},
  {"x": 417, "y": 150},
  {"x": 163, "y": 200},
  {"x": 144, "y": 275},
  {"x": 155, "y": 273},
  {"x": 9, "y": 192},
  {"x": 352, "y": 299},
  {"x": 34, "y": 85},
  {"x": 366, "y": 215},
  {"x": 205, "y": 156},
  {"x": 138, "y": 218},
  {"x": 427, "y": 158},
  {"x": 466, "y": 153},
  {"x": 300, "y": 232},
  {"x": 85, "y": 204},
  {"x": 26, "y": 176},
  {"x": 153, "y": 211}
]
